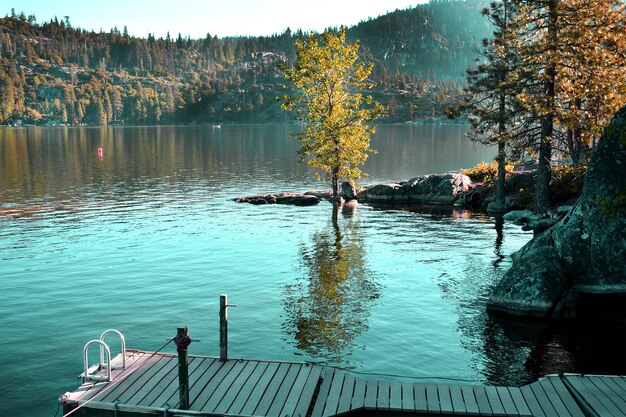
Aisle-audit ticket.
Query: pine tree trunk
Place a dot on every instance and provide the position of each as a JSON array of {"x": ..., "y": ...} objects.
[
  {"x": 542, "y": 191},
  {"x": 500, "y": 187}
]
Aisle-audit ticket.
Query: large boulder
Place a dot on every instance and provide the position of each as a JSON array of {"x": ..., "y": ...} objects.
[
  {"x": 387, "y": 193},
  {"x": 586, "y": 249},
  {"x": 436, "y": 188},
  {"x": 427, "y": 189}
]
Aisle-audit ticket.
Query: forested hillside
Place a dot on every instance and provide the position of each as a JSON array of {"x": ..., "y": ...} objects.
[{"x": 55, "y": 73}]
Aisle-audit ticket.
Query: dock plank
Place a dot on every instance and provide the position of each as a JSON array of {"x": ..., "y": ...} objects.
[
  {"x": 618, "y": 395},
  {"x": 308, "y": 391},
  {"x": 458, "y": 405},
  {"x": 605, "y": 395},
  {"x": 201, "y": 377},
  {"x": 382, "y": 402},
  {"x": 445, "y": 399},
  {"x": 484, "y": 407},
  {"x": 345, "y": 399},
  {"x": 358, "y": 399},
  {"x": 542, "y": 399},
  {"x": 469, "y": 399},
  {"x": 621, "y": 381},
  {"x": 395, "y": 395},
  {"x": 520, "y": 402},
  {"x": 143, "y": 379},
  {"x": 130, "y": 375},
  {"x": 318, "y": 408},
  {"x": 432, "y": 399},
  {"x": 285, "y": 388},
  {"x": 592, "y": 396},
  {"x": 210, "y": 384},
  {"x": 171, "y": 394},
  {"x": 259, "y": 389},
  {"x": 272, "y": 389},
  {"x": 421, "y": 404},
  {"x": 168, "y": 383},
  {"x": 154, "y": 382},
  {"x": 566, "y": 396},
  {"x": 531, "y": 401},
  {"x": 554, "y": 398},
  {"x": 239, "y": 400},
  {"x": 494, "y": 401},
  {"x": 371, "y": 395},
  {"x": 507, "y": 401},
  {"x": 231, "y": 385},
  {"x": 332, "y": 401},
  {"x": 408, "y": 397}
]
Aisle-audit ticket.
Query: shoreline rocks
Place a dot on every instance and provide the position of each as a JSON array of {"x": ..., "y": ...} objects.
[
  {"x": 280, "y": 198},
  {"x": 585, "y": 249},
  {"x": 428, "y": 189}
]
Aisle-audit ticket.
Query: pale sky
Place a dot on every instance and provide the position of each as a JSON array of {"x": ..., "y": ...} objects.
[{"x": 196, "y": 18}]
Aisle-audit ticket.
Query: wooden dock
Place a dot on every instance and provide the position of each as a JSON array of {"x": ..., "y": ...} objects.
[{"x": 236, "y": 387}]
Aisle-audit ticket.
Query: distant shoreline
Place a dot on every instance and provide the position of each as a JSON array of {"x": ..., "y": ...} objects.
[{"x": 419, "y": 122}]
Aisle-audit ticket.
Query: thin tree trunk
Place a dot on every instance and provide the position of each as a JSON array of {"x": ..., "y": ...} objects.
[
  {"x": 500, "y": 186},
  {"x": 542, "y": 192},
  {"x": 334, "y": 181}
]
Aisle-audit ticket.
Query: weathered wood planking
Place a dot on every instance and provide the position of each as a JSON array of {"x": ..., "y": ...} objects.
[
  {"x": 149, "y": 384},
  {"x": 599, "y": 395},
  {"x": 234, "y": 387}
]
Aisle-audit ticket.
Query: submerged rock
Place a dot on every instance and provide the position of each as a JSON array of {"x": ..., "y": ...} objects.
[{"x": 585, "y": 248}]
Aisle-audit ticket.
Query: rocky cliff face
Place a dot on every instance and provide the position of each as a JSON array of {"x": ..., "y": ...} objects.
[{"x": 585, "y": 251}]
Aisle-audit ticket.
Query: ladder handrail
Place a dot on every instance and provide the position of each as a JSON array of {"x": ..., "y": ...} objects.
[
  {"x": 103, "y": 346},
  {"x": 123, "y": 340}
]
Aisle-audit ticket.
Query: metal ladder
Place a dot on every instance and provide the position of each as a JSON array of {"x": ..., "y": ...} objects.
[{"x": 90, "y": 373}]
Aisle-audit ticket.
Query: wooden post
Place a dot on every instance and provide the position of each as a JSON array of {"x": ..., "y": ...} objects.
[
  {"x": 183, "y": 370},
  {"x": 223, "y": 328}
]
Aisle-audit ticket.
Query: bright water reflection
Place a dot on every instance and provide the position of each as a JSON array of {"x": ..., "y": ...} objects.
[
  {"x": 145, "y": 239},
  {"x": 328, "y": 305}
]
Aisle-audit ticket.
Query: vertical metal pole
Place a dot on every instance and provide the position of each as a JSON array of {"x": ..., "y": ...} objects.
[
  {"x": 183, "y": 371},
  {"x": 223, "y": 328}
]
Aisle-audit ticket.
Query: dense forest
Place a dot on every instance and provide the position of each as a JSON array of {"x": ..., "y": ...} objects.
[{"x": 55, "y": 73}]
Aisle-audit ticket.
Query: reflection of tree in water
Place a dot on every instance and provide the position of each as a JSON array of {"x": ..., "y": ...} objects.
[{"x": 329, "y": 308}]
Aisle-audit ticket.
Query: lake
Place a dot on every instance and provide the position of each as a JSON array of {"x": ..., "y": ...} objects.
[{"x": 145, "y": 239}]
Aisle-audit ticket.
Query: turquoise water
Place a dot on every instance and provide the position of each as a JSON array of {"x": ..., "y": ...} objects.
[{"x": 146, "y": 238}]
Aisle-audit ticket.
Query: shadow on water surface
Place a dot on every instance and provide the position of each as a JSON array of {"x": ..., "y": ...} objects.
[{"x": 328, "y": 305}]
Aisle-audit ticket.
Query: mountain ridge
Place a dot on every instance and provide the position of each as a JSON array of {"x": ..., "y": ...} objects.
[{"x": 53, "y": 73}]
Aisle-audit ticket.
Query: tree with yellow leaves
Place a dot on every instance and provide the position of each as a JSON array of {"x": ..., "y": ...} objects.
[{"x": 337, "y": 117}]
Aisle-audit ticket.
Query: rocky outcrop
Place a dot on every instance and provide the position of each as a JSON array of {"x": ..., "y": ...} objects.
[
  {"x": 428, "y": 189},
  {"x": 321, "y": 194},
  {"x": 586, "y": 249},
  {"x": 281, "y": 198},
  {"x": 347, "y": 191}
]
